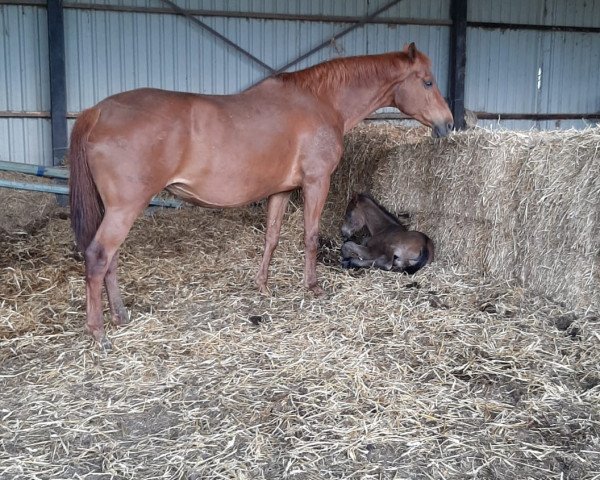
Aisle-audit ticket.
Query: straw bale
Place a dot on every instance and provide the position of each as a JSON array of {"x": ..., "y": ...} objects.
[
  {"x": 512, "y": 205},
  {"x": 364, "y": 147}
]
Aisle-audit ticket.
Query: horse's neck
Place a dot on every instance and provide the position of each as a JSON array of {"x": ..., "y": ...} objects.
[
  {"x": 356, "y": 98},
  {"x": 354, "y": 87},
  {"x": 355, "y": 104},
  {"x": 377, "y": 220}
]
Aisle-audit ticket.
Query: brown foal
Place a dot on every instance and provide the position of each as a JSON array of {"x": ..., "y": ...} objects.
[{"x": 390, "y": 246}]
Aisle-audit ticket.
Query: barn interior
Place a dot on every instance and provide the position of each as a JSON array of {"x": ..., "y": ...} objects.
[{"x": 485, "y": 364}]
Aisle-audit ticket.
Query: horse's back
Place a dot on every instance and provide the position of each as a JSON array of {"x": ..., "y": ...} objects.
[{"x": 215, "y": 150}]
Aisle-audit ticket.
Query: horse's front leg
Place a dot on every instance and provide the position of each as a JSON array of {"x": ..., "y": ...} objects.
[
  {"x": 315, "y": 193},
  {"x": 275, "y": 210}
]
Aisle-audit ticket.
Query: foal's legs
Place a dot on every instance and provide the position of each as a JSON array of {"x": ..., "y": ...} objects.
[
  {"x": 355, "y": 255},
  {"x": 118, "y": 312},
  {"x": 315, "y": 194},
  {"x": 275, "y": 210},
  {"x": 99, "y": 257},
  {"x": 354, "y": 250}
]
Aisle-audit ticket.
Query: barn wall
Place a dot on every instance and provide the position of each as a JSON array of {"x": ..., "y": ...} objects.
[
  {"x": 108, "y": 52},
  {"x": 533, "y": 71},
  {"x": 111, "y": 51},
  {"x": 24, "y": 84}
]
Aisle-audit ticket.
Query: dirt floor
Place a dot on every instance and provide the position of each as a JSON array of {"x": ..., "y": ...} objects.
[{"x": 440, "y": 375}]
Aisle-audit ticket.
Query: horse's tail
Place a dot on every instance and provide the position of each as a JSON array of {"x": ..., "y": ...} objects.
[
  {"x": 425, "y": 257},
  {"x": 87, "y": 209}
]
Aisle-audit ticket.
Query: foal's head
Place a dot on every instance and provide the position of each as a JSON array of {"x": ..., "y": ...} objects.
[
  {"x": 364, "y": 211},
  {"x": 355, "y": 217},
  {"x": 419, "y": 97}
]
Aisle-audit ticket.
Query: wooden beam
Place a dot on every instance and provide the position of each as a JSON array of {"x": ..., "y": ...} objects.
[
  {"x": 334, "y": 37},
  {"x": 31, "y": 114},
  {"x": 185, "y": 13},
  {"x": 458, "y": 61}
]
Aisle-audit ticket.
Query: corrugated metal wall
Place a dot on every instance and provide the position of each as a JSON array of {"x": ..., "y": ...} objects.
[
  {"x": 108, "y": 52},
  {"x": 111, "y": 51},
  {"x": 24, "y": 84},
  {"x": 528, "y": 71}
]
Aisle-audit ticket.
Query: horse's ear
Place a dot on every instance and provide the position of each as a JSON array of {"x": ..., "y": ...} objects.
[{"x": 411, "y": 51}]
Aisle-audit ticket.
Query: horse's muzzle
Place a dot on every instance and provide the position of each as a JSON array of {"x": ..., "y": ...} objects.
[{"x": 441, "y": 129}]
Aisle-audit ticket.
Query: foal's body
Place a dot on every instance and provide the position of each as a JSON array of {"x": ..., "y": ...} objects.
[
  {"x": 392, "y": 249},
  {"x": 389, "y": 246},
  {"x": 229, "y": 150}
]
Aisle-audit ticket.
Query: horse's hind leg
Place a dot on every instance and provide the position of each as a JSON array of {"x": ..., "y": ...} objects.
[
  {"x": 275, "y": 210},
  {"x": 98, "y": 259},
  {"x": 118, "y": 312}
]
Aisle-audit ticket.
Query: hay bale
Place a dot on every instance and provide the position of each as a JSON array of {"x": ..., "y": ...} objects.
[
  {"x": 522, "y": 205},
  {"x": 364, "y": 148}
]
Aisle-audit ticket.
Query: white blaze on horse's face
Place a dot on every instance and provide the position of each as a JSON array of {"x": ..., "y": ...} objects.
[{"x": 418, "y": 95}]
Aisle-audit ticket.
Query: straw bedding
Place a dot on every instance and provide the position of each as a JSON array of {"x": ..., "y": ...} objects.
[{"x": 444, "y": 374}]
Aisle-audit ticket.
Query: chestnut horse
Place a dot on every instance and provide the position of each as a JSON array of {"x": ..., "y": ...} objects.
[
  {"x": 230, "y": 150},
  {"x": 389, "y": 246}
]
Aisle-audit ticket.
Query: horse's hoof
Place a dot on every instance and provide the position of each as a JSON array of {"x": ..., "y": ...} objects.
[
  {"x": 102, "y": 341},
  {"x": 317, "y": 291},
  {"x": 263, "y": 289},
  {"x": 121, "y": 318},
  {"x": 104, "y": 344}
]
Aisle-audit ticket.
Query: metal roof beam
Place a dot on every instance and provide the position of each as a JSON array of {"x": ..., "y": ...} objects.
[{"x": 180, "y": 11}]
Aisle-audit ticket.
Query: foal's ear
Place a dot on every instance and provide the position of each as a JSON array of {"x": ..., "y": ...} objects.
[{"x": 411, "y": 51}]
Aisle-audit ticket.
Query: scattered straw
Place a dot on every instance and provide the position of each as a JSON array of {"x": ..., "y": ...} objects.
[{"x": 443, "y": 374}]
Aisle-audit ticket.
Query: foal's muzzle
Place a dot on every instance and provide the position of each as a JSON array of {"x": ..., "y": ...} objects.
[{"x": 346, "y": 234}]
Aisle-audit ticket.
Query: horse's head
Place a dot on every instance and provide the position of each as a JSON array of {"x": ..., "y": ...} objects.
[
  {"x": 418, "y": 96},
  {"x": 354, "y": 219}
]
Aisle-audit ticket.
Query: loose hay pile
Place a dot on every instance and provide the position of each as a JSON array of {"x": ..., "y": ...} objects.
[
  {"x": 445, "y": 374},
  {"x": 23, "y": 211}
]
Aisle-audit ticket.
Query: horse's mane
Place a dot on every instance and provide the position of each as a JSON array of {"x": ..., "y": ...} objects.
[
  {"x": 360, "y": 70},
  {"x": 383, "y": 210}
]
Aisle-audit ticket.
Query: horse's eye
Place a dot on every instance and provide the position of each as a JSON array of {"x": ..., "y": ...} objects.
[{"x": 427, "y": 83}]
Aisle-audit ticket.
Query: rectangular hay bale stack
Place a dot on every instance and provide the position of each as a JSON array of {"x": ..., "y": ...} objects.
[
  {"x": 364, "y": 147},
  {"x": 522, "y": 205}
]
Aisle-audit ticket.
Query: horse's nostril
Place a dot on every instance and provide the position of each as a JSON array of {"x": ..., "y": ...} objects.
[{"x": 450, "y": 126}]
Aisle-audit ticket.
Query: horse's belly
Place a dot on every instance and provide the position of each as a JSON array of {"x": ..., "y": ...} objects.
[{"x": 225, "y": 192}]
